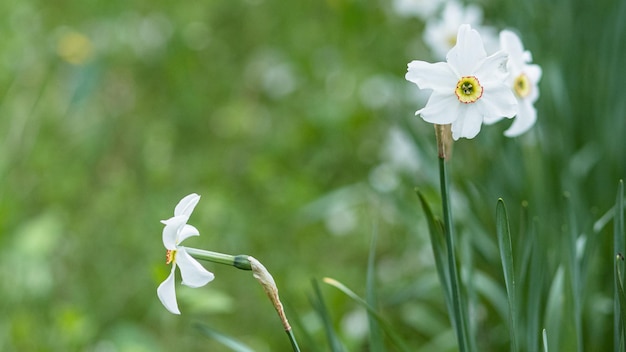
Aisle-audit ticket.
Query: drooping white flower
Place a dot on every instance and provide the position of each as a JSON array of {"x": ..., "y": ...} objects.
[
  {"x": 468, "y": 89},
  {"x": 177, "y": 230},
  {"x": 523, "y": 79},
  {"x": 440, "y": 32}
]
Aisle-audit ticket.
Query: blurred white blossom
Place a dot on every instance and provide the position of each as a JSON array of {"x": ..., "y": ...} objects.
[
  {"x": 419, "y": 8},
  {"x": 523, "y": 79},
  {"x": 440, "y": 33},
  {"x": 400, "y": 151}
]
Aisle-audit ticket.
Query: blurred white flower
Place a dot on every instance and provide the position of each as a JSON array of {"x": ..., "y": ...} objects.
[
  {"x": 384, "y": 178},
  {"x": 176, "y": 230},
  {"x": 400, "y": 151},
  {"x": 440, "y": 33},
  {"x": 468, "y": 89},
  {"x": 523, "y": 79},
  {"x": 419, "y": 8}
]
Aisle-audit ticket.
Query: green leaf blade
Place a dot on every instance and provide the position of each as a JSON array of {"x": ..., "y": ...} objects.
[{"x": 506, "y": 256}]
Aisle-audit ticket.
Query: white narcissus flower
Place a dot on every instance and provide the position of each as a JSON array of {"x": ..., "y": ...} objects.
[
  {"x": 523, "y": 79},
  {"x": 468, "y": 89},
  {"x": 176, "y": 230}
]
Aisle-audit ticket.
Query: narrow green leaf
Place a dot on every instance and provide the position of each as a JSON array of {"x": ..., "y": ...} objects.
[
  {"x": 468, "y": 288},
  {"x": 389, "y": 330},
  {"x": 319, "y": 305},
  {"x": 459, "y": 301},
  {"x": 227, "y": 341},
  {"x": 619, "y": 218},
  {"x": 535, "y": 289},
  {"x": 545, "y": 340},
  {"x": 621, "y": 314},
  {"x": 506, "y": 256},
  {"x": 618, "y": 247},
  {"x": 525, "y": 243},
  {"x": 574, "y": 269},
  {"x": 376, "y": 339},
  {"x": 554, "y": 310},
  {"x": 435, "y": 230}
]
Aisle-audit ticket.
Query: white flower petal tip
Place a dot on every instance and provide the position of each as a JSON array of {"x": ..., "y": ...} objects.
[
  {"x": 167, "y": 294},
  {"x": 468, "y": 89},
  {"x": 186, "y": 205}
]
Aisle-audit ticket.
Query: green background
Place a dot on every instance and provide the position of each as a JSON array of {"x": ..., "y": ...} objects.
[{"x": 278, "y": 114}]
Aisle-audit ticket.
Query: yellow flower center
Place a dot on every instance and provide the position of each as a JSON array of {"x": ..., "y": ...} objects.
[
  {"x": 468, "y": 90},
  {"x": 170, "y": 256},
  {"x": 521, "y": 86}
]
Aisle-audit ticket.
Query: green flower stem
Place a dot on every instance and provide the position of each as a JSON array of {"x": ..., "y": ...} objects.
[
  {"x": 238, "y": 261},
  {"x": 292, "y": 339},
  {"x": 460, "y": 309},
  {"x": 245, "y": 262}
]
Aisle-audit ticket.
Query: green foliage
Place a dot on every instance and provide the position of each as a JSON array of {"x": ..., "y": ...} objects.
[
  {"x": 278, "y": 114},
  {"x": 227, "y": 341},
  {"x": 506, "y": 257}
]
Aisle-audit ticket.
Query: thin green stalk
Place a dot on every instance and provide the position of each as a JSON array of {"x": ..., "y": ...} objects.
[
  {"x": 292, "y": 339},
  {"x": 460, "y": 309},
  {"x": 238, "y": 261},
  {"x": 260, "y": 273}
]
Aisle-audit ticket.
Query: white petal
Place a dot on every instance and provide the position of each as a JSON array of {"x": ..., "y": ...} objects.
[
  {"x": 171, "y": 230},
  {"x": 441, "y": 109},
  {"x": 167, "y": 293},
  {"x": 438, "y": 76},
  {"x": 468, "y": 125},
  {"x": 511, "y": 43},
  {"x": 186, "y": 205},
  {"x": 187, "y": 231},
  {"x": 492, "y": 68},
  {"x": 497, "y": 102},
  {"x": 533, "y": 95},
  {"x": 469, "y": 50},
  {"x": 194, "y": 274},
  {"x": 524, "y": 121},
  {"x": 533, "y": 72}
]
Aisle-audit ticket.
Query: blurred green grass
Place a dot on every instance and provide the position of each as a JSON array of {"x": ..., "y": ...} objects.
[{"x": 277, "y": 114}]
